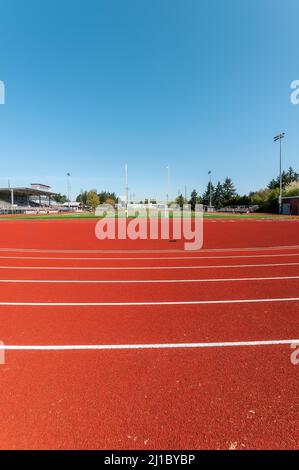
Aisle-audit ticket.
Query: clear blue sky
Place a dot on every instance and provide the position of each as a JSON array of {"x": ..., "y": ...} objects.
[{"x": 197, "y": 84}]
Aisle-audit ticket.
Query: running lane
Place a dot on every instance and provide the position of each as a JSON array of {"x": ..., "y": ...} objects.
[
  {"x": 242, "y": 398},
  {"x": 78, "y": 234},
  {"x": 150, "y": 262},
  {"x": 195, "y": 272},
  {"x": 148, "y": 293},
  {"x": 149, "y": 324}
]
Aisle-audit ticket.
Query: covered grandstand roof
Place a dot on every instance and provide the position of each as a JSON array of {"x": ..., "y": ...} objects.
[{"x": 27, "y": 191}]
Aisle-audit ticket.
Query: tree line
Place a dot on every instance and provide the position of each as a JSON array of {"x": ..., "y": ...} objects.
[
  {"x": 223, "y": 194},
  {"x": 91, "y": 198}
]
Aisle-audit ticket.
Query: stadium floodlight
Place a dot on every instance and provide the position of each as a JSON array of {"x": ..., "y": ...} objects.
[{"x": 279, "y": 138}]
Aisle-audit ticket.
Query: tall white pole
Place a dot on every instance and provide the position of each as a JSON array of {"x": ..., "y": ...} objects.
[
  {"x": 280, "y": 177},
  {"x": 126, "y": 188},
  {"x": 69, "y": 189},
  {"x": 168, "y": 184},
  {"x": 276, "y": 138},
  {"x": 210, "y": 173}
]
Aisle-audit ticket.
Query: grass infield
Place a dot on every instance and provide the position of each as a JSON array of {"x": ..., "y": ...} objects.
[{"x": 92, "y": 216}]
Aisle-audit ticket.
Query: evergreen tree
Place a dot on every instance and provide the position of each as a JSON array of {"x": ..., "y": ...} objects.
[
  {"x": 218, "y": 196},
  {"x": 82, "y": 197},
  {"x": 180, "y": 200},
  {"x": 105, "y": 195},
  {"x": 59, "y": 198},
  {"x": 273, "y": 184},
  {"x": 287, "y": 178},
  {"x": 208, "y": 195},
  {"x": 229, "y": 191},
  {"x": 194, "y": 199}
]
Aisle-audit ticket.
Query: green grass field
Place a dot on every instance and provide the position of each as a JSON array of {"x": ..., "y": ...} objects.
[{"x": 92, "y": 216}]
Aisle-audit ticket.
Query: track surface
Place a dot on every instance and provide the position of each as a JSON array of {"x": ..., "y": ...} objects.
[{"x": 145, "y": 346}]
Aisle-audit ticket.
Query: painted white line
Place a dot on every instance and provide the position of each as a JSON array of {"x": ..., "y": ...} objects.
[
  {"x": 141, "y": 268},
  {"x": 144, "y": 258},
  {"x": 95, "y": 347},
  {"x": 143, "y": 281},
  {"x": 204, "y": 250},
  {"x": 132, "y": 304}
]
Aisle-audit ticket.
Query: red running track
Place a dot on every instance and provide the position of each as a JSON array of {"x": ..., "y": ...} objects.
[
  {"x": 239, "y": 396},
  {"x": 79, "y": 234}
]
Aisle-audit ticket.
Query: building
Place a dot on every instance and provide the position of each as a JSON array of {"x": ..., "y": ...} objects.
[
  {"x": 290, "y": 205},
  {"x": 25, "y": 200}
]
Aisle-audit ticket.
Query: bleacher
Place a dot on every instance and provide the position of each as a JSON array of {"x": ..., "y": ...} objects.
[{"x": 25, "y": 200}]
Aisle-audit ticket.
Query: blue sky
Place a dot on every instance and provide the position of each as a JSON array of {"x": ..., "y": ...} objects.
[{"x": 196, "y": 84}]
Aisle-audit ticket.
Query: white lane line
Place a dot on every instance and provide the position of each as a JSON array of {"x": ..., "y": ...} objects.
[
  {"x": 156, "y": 258},
  {"x": 204, "y": 250},
  {"x": 140, "y": 268},
  {"x": 95, "y": 347},
  {"x": 132, "y": 304},
  {"x": 143, "y": 281}
]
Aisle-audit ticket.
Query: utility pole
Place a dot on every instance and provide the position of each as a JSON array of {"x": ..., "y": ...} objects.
[
  {"x": 69, "y": 189},
  {"x": 210, "y": 174},
  {"x": 276, "y": 138},
  {"x": 168, "y": 184},
  {"x": 126, "y": 188}
]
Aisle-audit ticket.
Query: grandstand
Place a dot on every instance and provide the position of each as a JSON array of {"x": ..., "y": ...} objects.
[{"x": 24, "y": 200}]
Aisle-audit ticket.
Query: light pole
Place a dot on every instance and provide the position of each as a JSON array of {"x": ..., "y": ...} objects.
[
  {"x": 126, "y": 188},
  {"x": 168, "y": 184},
  {"x": 276, "y": 138},
  {"x": 69, "y": 189},
  {"x": 210, "y": 174}
]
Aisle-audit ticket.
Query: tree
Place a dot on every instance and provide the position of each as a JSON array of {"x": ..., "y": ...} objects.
[
  {"x": 93, "y": 199},
  {"x": 110, "y": 201},
  {"x": 194, "y": 199},
  {"x": 208, "y": 194},
  {"x": 59, "y": 198},
  {"x": 241, "y": 200},
  {"x": 273, "y": 184},
  {"x": 229, "y": 191},
  {"x": 218, "y": 196},
  {"x": 105, "y": 195},
  {"x": 266, "y": 199},
  {"x": 291, "y": 176},
  {"x": 292, "y": 189},
  {"x": 180, "y": 200},
  {"x": 287, "y": 177},
  {"x": 82, "y": 197}
]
